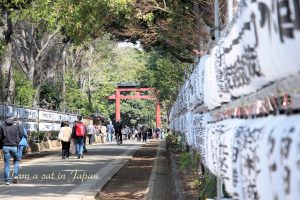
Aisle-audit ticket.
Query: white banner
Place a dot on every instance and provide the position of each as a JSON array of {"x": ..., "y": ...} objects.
[
  {"x": 56, "y": 127},
  {"x": 24, "y": 113},
  {"x": 72, "y": 118},
  {"x": 31, "y": 126},
  {"x": 7, "y": 110},
  {"x": 46, "y": 126},
  {"x": 64, "y": 117},
  {"x": 47, "y": 116}
]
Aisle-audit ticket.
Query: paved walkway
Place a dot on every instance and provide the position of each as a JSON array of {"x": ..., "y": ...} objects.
[{"x": 51, "y": 177}]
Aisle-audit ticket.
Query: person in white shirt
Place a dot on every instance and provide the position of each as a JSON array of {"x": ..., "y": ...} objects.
[{"x": 90, "y": 132}]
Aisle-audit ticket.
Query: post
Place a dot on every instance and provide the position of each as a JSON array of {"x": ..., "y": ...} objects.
[
  {"x": 217, "y": 21},
  {"x": 219, "y": 189},
  {"x": 158, "y": 117},
  {"x": 118, "y": 105},
  {"x": 217, "y": 38},
  {"x": 229, "y": 10}
]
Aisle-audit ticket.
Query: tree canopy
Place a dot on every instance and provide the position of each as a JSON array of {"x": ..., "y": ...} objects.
[{"x": 66, "y": 52}]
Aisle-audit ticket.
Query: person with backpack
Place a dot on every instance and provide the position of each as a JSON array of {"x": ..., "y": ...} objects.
[
  {"x": 79, "y": 134},
  {"x": 10, "y": 135}
]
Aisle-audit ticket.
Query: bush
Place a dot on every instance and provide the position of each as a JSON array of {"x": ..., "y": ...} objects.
[
  {"x": 196, "y": 183},
  {"x": 185, "y": 160},
  {"x": 208, "y": 187},
  {"x": 51, "y": 94},
  {"x": 40, "y": 136},
  {"x": 24, "y": 89}
]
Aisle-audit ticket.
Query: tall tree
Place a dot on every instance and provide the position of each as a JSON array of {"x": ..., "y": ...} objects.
[{"x": 166, "y": 74}]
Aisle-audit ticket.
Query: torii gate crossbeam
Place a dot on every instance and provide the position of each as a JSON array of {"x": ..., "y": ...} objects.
[{"x": 117, "y": 97}]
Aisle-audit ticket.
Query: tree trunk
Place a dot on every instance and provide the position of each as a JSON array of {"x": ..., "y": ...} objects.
[
  {"x": 64, "y": 66},
  {"x": 89, "y": 93},
  {"x": 7, "y": 82},
  {"x": 36, "y": 99}
]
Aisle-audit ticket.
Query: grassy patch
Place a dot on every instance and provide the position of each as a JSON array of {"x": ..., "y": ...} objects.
[{"x": 184, "y": 161}]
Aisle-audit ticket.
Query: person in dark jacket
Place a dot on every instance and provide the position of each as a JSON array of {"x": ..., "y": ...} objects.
[
  {"x": 10, "y": 135},
  {"x": 144, "y": 133},
  {"x": 118, "y": 131}
]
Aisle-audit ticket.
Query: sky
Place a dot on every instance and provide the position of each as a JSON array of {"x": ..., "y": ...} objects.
[{"x": 129, "y": 44}]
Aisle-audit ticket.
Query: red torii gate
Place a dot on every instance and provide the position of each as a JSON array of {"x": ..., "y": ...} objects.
[{"x": 118, "y": 96}]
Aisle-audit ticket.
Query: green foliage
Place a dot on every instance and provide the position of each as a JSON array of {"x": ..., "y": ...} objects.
[
  {"x": 208, "y": 187},
  {"x": 138, "y": 112},
  {"x": 166, "y": 74},
  {"x": 196, "y": 161},
  {"x": 2, "y": 48},
  {"x": 51, "y": 94},
  {"x": 80, "y": 20},
  {"x": 76, "y": 100},
  {"x": 24, "y": 89},
  {"x": 13, "y": 4},
  {"x": 196, "y": 183},
  {"x": 99, "y": 99},
  {"x": 185, "y": 161}
]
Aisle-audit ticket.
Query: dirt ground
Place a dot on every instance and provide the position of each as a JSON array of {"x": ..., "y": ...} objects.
[
  {"x": 187, "y": 177},
  {"x": 131, "y": 181}
]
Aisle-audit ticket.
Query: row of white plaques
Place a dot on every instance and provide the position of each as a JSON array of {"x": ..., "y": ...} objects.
[
  {"x": 41, "y": 126},
  {"x": 51, "y": 120},
  {"x": 34, "y": 114}
]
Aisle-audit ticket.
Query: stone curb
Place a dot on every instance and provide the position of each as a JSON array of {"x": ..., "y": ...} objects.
[
  {"x": 152, "y": 180},
  {"x": 176, "y": 187}
]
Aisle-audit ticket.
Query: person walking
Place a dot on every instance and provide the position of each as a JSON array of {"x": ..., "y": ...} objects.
[
  {"x": 10, "y": 135},
  {"x": 144, "y": 133},
  {"x": 90, "y": 132},
  {"x": 139, "y": 134},
  {"x": 79, "y": 133},
  {"x": 64, "y": 136},
  {"x": 102, "y": 133},
  {"x": 110, "y": 130},
  {"x": 23, "y": 143},
  {"x": 118, "y": 131},
  {"x": 157, "y": 133}
]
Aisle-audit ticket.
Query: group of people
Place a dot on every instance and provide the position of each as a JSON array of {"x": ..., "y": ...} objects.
[
  {"x": 143, "y": 133},
  {"x": 78, "y": 134},
  {"x": 13, "y": 139},
  {"x": 124, "y": 132}
]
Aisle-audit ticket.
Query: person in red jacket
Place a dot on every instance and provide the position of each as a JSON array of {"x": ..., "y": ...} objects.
[{"x": 79, "y": 134}]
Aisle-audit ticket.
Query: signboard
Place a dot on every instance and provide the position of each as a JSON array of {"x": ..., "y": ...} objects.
[
  {"x": 46, "y": 126},
  {"x": 47, "y": 116},
  {"x": 72, "y": 118},
  {"x": 64, "y": 117},
  {"x": 56, "y": 127},
  {"x": 57, "y": 117},
  {"x": 24, "y": 113},
  {"x": 31, "y": 126},
  {"x": 7, "y": 110}
]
